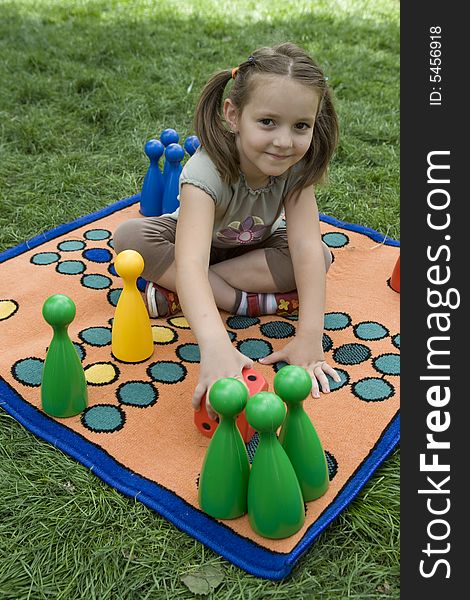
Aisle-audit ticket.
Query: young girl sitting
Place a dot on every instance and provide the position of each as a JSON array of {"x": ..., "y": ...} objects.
[{"x": 262, "y": 151}]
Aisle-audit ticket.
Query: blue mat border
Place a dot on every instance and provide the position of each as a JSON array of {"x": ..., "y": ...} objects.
[{"x": 242, "y": 552}]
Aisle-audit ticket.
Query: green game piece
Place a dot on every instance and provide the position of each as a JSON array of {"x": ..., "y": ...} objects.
[
  {"x": 298, "y": 435},
  {"x": 275, "y": 503},
  {"x": 224, "y": 476},
  {"x": 63, "y": 385}
]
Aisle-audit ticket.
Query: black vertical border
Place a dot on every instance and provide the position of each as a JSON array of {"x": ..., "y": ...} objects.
[{"x": 425, "y": 129}]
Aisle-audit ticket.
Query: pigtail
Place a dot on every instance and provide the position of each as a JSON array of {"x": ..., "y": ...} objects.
[{"x": 210, "y": 129}]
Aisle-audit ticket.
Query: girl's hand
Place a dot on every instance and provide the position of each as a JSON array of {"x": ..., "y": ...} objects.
[
  {"x": 301, "y": 352},
  {"x": 218, "y": 363}
]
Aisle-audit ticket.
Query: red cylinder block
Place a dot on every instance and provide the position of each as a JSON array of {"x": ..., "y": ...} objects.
[
  {"x": 395, "y": 278},
  {"x": 256, "y": 383}
]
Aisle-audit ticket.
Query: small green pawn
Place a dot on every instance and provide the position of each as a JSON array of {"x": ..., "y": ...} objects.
[
  {"x": 298, "y": 435},
  {"x": 224, "y": 476},
  {"x": 275, "y": 503},
  {"x": 63, "y": 385}
]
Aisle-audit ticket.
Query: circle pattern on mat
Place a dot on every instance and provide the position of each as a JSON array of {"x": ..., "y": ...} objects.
[
  {"x": 396, "y": 340},
  {"x": 277, "y": 330},
  {"x": 332, "y": 464},
  {"x": 71, "y": 245},
  {"x": 370, "y": 330},
  {"x": 113, "y": 296},
  {"x": 101, "y": 373},
  {"x": 372, "y": 389},
  {"x": 80, "y": 350},
  {"x": 189, "y": 353},
  {"x": 7, "y": 309},
  {"x": 387, "y": 364},
  {"x": 254, "y": 348},
  {"x": 28, "y": 371},
  {"x": 335, "y": 239},
  {"x": 103, "y": 418},
  {"x": 327, "y": 343},
  {"x": 336, "y": 385},
  {"x": 137, "y": 393},
  {"x": 336, "y": 320},
  {"x": 163, "y": 335},
  {"x": 167, "y": 371},
  {"x": 45, "y": 258},
  {"x": 97, "y": 234},
  {"x": 351, "y": 354},
  {"x": 98, "y": 255},
  {"x": 70, "y": 267},
  {"x": 96, "y": 281},
  {"x": 179, "y": 322},
  {"x": 240, "y": 322},
  {"x": 96, "y": 336}
]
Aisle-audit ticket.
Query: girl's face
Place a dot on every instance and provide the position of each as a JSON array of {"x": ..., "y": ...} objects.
[{"x": 275, "y": 128}]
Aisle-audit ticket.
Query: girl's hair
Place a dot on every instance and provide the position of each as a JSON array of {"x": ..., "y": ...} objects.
[{"x": 286, "y": 60}]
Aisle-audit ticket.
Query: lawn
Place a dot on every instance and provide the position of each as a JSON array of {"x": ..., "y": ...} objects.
[{"x": 84, "y": 84}]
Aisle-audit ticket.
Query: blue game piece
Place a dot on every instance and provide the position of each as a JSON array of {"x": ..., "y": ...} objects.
[
  {"x": 191, "y": 144},
  {"x": 169, "y": 136},
  {"x": 174, "y": 154},
  {"x": 151, "y": 197}
]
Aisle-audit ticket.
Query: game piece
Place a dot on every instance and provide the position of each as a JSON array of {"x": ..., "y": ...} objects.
[
  {"x": 167, "y": 137},
  {"x": 275, "y": 502},
  {"x": 224, "y": 475},
  {"x": 63, "y": 383},
  {"x": 395, "y": 278},
  {"x": 298, "y": 435},
  {"x": 191, "y": 144},
  {"x": 174, "y": 154},
  {"x": 256, "y": 383},
  {"x": 151, "y": 197},
  {"x": 132, "y": 339}
]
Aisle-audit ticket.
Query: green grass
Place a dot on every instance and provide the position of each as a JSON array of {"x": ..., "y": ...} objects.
[{"x": 84, "y": 85}]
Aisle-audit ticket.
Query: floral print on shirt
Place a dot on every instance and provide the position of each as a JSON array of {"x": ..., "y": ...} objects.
[{"x": 249, "y": 231}]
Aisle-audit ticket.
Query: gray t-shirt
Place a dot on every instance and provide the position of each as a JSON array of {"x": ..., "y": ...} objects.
[{"x": 242, "y": 215}]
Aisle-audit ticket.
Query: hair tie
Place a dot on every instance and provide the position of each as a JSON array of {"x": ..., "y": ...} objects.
[{"x": 234, "y": 72}]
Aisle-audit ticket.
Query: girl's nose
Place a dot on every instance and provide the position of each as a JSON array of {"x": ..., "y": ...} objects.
[{"x": 283, "y": 139}]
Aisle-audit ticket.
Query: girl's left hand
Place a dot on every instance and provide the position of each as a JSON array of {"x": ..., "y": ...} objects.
[{"x": 300, "y": 353}]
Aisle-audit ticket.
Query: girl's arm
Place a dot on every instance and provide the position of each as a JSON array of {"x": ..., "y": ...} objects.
[
  {"x": 192, "y": 252},
  {"x": 303, "y": 234}
]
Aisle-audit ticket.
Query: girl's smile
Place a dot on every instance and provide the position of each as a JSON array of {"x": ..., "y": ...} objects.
[{"x": 275, "y": 127}]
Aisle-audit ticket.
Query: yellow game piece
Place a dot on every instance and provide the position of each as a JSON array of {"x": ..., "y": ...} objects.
[{"x": 132, "y": 339}]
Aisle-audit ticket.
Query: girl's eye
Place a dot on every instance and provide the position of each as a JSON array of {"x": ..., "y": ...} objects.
[
  {"x": 266, "y": 122},
  {"x": 302, "y": 126}
]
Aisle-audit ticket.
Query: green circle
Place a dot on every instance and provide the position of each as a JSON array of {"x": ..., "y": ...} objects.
[
  {"x": 103, "y": 418},
  {"x": 167, "y": 371},
  {"x": 28, "y": 371},
  {"x": 387, "y": 364},
  {"x": 373, "y": 389},
  {"x": 45, "y": 258},
  {"x": 137, "y": 393}
]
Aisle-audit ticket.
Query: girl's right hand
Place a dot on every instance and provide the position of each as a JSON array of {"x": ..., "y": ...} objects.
[{"x": 216, "y": 364}]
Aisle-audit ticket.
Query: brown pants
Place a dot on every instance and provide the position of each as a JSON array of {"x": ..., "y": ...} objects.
[{"x": 154, "y": 239}]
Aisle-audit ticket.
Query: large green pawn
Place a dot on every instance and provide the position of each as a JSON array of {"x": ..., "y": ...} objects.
[
  {"x": 275, "y": 503},
  {"x": 225, "y": 471},
  {"x": 298, "y": 435},
  {"x": 63, "y": 385}
]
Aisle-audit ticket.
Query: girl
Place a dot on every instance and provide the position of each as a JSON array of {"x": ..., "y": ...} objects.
[{"x": 262, "y": 151}]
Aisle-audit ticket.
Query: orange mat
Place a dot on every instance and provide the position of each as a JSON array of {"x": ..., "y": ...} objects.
[{"x": 138, "y": 432}]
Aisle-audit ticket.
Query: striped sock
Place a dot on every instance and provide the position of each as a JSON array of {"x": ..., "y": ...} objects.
[{"x": 254, "y": 305}]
